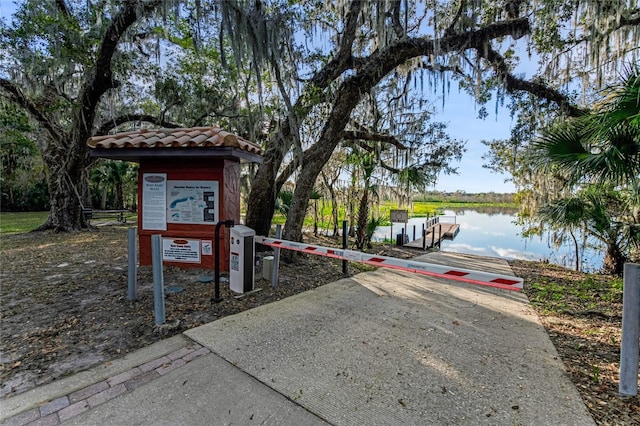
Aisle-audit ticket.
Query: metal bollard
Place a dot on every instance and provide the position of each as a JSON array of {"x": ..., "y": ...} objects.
[
  {"x": 132, "y": 273},
  {"x": 276, "y": 259},
  {"x": 345, "y": 245},
  {"x": 630, "y": 347},
  {"x": 158, "y": 279}
]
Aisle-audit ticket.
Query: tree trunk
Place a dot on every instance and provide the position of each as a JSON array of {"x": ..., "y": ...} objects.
[
  {"x": 369, "y": 72},
  {"x": 66, "y": 181},
  {"x": 119, "y": 195},
  {"x": 65, "y": 155},
  {"x": 363, "y": 217},
  {"x": 103, "y": 199},
  {"x": 261, "y": 201},
  {"x": 352, "y": 217},
  {"x": 264, "y": 191},
  {"x": 334, "y": 210},
  {"x": 299, "y": 205},
  {"x": 614, "y": 260},
  {"x": 576, "y": 247},
  {"x": 315, "y": 217}
]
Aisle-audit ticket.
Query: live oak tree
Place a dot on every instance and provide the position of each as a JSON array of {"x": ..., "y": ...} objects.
[
  {"x": 475, "y": 42},
  {"x": 60, "y": 58},
  {"x": 340, "y": 84},
  {"x": 83, "y": 68}
]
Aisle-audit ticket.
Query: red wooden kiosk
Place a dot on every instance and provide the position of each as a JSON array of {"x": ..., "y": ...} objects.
[{"x": 188, "y": 181}]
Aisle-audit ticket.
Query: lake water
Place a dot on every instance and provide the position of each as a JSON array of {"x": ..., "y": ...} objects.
[{"x": 494, "y": 232}]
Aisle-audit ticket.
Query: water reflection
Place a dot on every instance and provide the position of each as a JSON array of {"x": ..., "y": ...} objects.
[
  {"x": 489, "y": 211},
  {"x": 492, "y": 231}
]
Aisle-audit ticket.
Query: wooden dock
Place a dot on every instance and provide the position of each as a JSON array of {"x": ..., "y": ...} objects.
[{"x": 435, "y": 234}]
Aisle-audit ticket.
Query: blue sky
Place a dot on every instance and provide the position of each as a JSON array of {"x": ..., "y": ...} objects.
[{"x": 460, "y": 113}]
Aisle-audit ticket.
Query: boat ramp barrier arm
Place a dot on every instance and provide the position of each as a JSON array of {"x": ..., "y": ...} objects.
[{"x": 503, "y": 281}]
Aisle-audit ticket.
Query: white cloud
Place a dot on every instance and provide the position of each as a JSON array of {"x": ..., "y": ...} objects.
[{"x": 510, "y": 253}]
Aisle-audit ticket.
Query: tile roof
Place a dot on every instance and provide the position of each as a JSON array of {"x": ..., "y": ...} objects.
[{"x": 199, "y": 137}]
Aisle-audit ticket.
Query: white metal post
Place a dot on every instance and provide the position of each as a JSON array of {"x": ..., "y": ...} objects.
[
  {"x": 132, "y": 278},
  {"x": 158, "y": 279},
  {"x": 630, "y": 346},
  {"x": 276, "y": 260}
]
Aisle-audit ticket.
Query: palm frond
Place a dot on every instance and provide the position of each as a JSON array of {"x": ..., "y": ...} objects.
[
  {"x": 603, "y": 146},
  {"x": 561, "y": 146},
  {"x": 565, "y": 212}
]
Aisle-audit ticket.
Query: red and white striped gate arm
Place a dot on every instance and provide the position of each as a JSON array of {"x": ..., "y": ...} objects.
[{"x": 506, "y": 282}]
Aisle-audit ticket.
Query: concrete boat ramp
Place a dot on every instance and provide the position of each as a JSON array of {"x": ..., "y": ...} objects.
[{"x": 381, "y": 348}]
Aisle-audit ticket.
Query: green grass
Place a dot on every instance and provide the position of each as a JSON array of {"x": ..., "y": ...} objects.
[
  {"x": 11, "y": 223},
  {"x": 557, "y": 296},
  {"x": 21, "y": 222},
  {"x": 420, "y": 209}
]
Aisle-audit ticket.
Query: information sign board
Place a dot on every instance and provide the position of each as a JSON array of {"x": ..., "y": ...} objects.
[
  {"x": 154, "y": 201},
  {"x": 181, "y": 250},
  {"x": 399, "y": 216},
  {"x": 192, "y": 202}
]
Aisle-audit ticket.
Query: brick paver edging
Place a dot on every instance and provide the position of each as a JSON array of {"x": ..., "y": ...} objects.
[{"x": 62, "y": 409}]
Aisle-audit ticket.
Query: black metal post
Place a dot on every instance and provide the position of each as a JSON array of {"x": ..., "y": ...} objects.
[
  {"x": 228, "y": 224},
  {"x": 345, "y": 244},
  {"x": 433, "y": 237}
]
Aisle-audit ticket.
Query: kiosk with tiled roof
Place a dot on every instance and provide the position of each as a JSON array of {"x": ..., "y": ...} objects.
[{"x": 188, "y": 180}]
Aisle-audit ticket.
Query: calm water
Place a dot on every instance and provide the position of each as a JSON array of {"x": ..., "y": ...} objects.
[{"x": 493, "y": 232}]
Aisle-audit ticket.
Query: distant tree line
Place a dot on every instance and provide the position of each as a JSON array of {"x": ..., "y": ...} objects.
[{"x": 467, "y": 197}]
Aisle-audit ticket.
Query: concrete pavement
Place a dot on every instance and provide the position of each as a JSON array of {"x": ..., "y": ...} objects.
[{"x": 380, "y": 348}]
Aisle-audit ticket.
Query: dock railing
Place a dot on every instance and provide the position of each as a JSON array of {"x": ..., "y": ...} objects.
[{"x": 447, "y": 219}]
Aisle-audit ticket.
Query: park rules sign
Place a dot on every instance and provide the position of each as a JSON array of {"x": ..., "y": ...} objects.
[
  {"x": 154, "y": 201},
  {"x": 181, "y": 250}
]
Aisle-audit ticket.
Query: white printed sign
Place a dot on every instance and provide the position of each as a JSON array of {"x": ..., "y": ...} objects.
[
  {"x": 207, "y": 247},
  {"x": 235, "y": 261},
  {"x": 181, "y": 250},
  {"x": 154, "y": 201}
]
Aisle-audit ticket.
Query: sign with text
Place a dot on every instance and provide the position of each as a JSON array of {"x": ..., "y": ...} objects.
[
  {"x": 192, "y": 202},
  {"x": 181, "y": 250},
  {"x": 235, "y": 261},
  {"x": 207, "y": 247},
  {"x": 399, "y": 216},
  {"x": 154, "y": 201}
]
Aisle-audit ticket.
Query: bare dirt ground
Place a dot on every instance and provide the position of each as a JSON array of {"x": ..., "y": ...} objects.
[
  {"x": 64, "y": 308},
  {"x": 583, "y": 316}
]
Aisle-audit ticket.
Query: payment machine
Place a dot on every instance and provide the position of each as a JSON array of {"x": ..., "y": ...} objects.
[{"x": 241, "y": 255}]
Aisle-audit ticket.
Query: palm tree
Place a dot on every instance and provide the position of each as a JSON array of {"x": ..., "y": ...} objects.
[
  {"x": 602, "y": 212},
  {"x": 368, "y": 164},
  {"x": 283, "y": 202},
  {"x": 601, "y": 148},
  {"x": 614, "y": 220},
  {"x": 315, "y": 196},
  {"x": 567, "y": 214}
]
